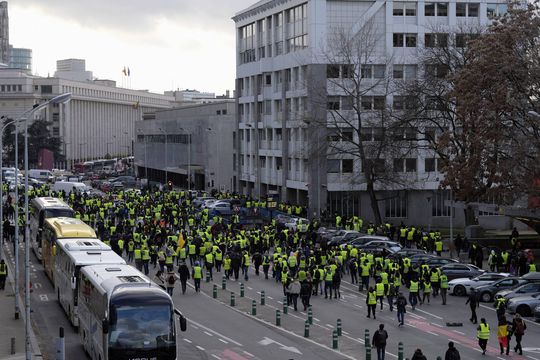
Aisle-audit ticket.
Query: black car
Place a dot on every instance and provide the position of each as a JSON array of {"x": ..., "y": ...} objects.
[
  {"x": 457, "y": 270},
  {"x": 439, "y": 261},
  {"x": 487, "y": 293},
  {"x": 421, "y": 258}
]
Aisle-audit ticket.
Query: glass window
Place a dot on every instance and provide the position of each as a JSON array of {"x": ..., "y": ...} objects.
[
  {"x": 473, "y": 9},
  {"x": 367, "y": 102},
  {"x": 429, "y": 40},
  {"x": 410, "y": 71},
  {"x": 366, "y": 72},
  {"x": 396, "y": 206},
  {"x": 410, "y": 9},
  {"x": 333, "y": 103},
  {"x": 429, "y": 9},
  {"x": 378, "y": 102},
  {"x": 347, "y": 166},
  {"x": 429, "y": 165},
  {"x": 398, "y": 103},
  {"x": 379, "y": 71},
  {"x": 398, "y": 9},
  {"x": 410, "y": 165},
  {"x": 461, "y": 9},
  {"x": 366, "y": 134},
  {"x": 398, "y": 165},
  {"x": 410, "y": 40},
  {"x": 332, "y": 166},
  {"x": 398, "y": 71},
  {"x": 398, "y": 40},
  {"x": 332, "y": 71},
  {"x": 442, "y": 9}
]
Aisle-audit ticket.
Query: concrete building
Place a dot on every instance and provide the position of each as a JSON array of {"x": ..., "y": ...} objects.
[
  {"x": 4, "y": 33},
  {"x": 20, "y": 58},
  {"x": 72, "y": 69},
  {"x": 99, "y": 119},
  {"x": 282, "y": 65},
  {"x": 195, "y": 139}
]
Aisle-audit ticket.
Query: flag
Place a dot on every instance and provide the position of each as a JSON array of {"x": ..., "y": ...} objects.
[
  {"x": 128, "y": 72},
  {"x": 124, "y": 71},
  {"x": 136, "y": 105}
]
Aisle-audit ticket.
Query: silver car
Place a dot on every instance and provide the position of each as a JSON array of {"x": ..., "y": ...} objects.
[
  {"x": 526, "y": 289},
  {"x": 523, "y": 305},
  {"x": 462, "y": 286}
]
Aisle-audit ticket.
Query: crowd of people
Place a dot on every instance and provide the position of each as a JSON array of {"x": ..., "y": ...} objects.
[{"x": 165, "y": 231}]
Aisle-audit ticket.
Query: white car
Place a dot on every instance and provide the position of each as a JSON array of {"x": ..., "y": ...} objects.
[
  {"x": 293, "y": 223},
  {"x": 463, "y": 286},
  {"x": 208, "y": 203}
]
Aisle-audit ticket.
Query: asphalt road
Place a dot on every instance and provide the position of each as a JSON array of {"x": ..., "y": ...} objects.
[{"x": 217, "y": 330}]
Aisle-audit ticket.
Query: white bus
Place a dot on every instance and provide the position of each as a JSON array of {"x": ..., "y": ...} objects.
[
  {"x": 42, "y": 208},
  {"x": 123, "y": 315},
  {"x": 71, "y": 256}
]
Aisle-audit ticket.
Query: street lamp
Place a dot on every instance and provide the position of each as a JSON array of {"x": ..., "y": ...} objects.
[
  {"x": 60, "y": 99},
  {"x": 189, "y": 133},
  {"x": 166, "y": 155}
]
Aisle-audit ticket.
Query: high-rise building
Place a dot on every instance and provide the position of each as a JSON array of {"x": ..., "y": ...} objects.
[
  {"x": 285, "y": 86},
  {"x": 20, "y": 58},
  {"x": 4, "y": 33},
  {"x": 72, "y": 69}
]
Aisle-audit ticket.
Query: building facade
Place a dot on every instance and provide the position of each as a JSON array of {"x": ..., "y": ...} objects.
[
  {"x": 98, "y": 121},
  {"x": 284, "y": 94},
  {"x": 195, "y": 141},
  {"x": 4, "y": 33}
]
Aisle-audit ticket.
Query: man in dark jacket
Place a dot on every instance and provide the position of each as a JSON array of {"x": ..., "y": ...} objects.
[
  {"x": 474, "y": 304},
  {"x": 183, "y": 271},
  {"x": 452, "y": 353},
  {"x": 379, "y": 341}
]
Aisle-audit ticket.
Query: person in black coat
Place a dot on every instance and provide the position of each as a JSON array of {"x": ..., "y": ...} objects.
[
  {"x": 474, "y": 304},
  {"x": 183, "y": 271}
]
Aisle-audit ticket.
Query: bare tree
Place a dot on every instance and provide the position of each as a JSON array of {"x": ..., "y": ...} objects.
[{"x": 361, "y": 132}]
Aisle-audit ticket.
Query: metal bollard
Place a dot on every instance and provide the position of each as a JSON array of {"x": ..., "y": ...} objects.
[
  {"x": 242, "y": 290},
  {"x": 224, "y": 283},
  {"x": 263, "y": 298},
  {"x": 439, "y": 358},
  {"x": 334, "y": 339},
  {"x": 400, "y": 351},
  {"x": 368, "y": 352},
  {"x": 214, "y": 292},
  {"x": 232, "y": 299},
  {"x": 306, "y": 329},
  {"x": 60, "y": 346},
  {"x": 338, "y": 327},
  {"x": 253, "y": 307},
  {"x": 285, "y": 306},
  {"x": 278, "y": 317},
  {"x": 12, "y": 346},
  {"x": 207, "y": 276},
  {"x": 310, "y": 315},
  {"x": 366, "y": 338}
]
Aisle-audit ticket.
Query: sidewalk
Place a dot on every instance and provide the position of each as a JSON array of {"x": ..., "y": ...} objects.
[{"x": 12, "y": 328}]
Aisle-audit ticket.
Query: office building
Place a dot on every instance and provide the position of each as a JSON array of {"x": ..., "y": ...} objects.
[
  {"x": 20, "y": 58},
  {"x": 4, "y": 33},
  {"x": 283, "y": 91},
  {"x": 194, "y": 139}
]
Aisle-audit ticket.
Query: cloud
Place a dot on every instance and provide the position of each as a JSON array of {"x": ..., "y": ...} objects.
[{"x": 140, "y": 15}]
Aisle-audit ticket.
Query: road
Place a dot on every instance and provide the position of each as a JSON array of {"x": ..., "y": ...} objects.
[{"x": 220, "y": 331}]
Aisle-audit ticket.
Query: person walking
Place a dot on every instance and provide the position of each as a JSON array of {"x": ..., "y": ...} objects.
[
  {"x": 443, "y": 287},
  {"x": 502, "y": 334},
  {"x": 196, "y": 274},
  {"x": 418, "y": 355},
  {"x": 483, "y": 335},
  {"x": 473, "y": 304},
  {"x": 401, "y": 306},
  {"x": 158, "y": 279},
  {"x": 413, "y": 292},
  {"x": 183, "y": 271},
  {"x": 371, "y": 301},
  {"x": 452, "y": 353},
  {"x": 294, "y": 291},
  {"x": 3, "y": 274},
  {"x": 171, "y": 281},
  {"x": 519, "y": 327},
  {"x": 305, "y": 292},
  {"x": 379, "y": 341}
]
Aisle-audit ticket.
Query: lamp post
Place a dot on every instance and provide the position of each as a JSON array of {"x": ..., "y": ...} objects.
[
  {"x": 189, "y": 157},
  {"x": 166, "y": 155},
  {"x": 60, "y": 99}
]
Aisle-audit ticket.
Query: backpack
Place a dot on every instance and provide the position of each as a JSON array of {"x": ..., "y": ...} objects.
[
  {"x": 171, "y": 280},
  {"x": 520, "y": 328}
]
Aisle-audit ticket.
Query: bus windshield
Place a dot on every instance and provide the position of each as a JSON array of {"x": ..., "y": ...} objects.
[
  {"x": 142, "y": 327},
  {"x": 50, "y": 213}
]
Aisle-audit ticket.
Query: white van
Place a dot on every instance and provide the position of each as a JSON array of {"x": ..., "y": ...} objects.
[
  {"x": 68, "y": 186},
  {"x": 40, "y": 174}
]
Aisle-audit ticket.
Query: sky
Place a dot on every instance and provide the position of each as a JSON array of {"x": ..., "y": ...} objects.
[{"x": 167, "y": 44}]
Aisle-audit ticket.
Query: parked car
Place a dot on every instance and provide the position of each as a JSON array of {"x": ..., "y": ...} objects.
[
  {"x": 525, "y": 289},
  {"x": 418, "y": 259},
  {"x": 534, "y": 276},
  {"x": 462, "y": 286},
  {"x": 391, "y": 246},
  {"x": 363, "y": 240},
  {"x": 411, "y": 252},
  {"x": 523, "y": 305},
  {"x": 343, "y": 236},
  {"x": 220, "y": 208},
  {"x": 457, "y": 270},
  {"x": 537, "y": 313},
  {"x": 487, "y": 292},
  {"x": 439, "y": 261},
  {"x": 293, "y": 224},
  {"x": 127, "y": 181}
]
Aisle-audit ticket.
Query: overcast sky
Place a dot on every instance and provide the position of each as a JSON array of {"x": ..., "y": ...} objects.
[{"x": 167, "y": 44}]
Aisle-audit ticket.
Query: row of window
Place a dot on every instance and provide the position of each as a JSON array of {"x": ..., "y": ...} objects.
[
  {"x": 171, "y": 138},
  {"x": 10, "y": 88},
  {"x": 292, "y": 79},
  {"x": 406, "y": 165}
]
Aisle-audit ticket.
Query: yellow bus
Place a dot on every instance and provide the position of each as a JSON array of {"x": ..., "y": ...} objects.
[{"x": 61, "y": 228}]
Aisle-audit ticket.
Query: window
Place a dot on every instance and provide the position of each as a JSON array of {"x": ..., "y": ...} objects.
[
  {"x": 378, "y": 134},
  {"x": 398, "y": 165},
  {"x": 430, "y": 165},
  {"x": 496, "y": 10},
  {"x": 410, "y": 9},
  {"x": 347, "y": 71},
  {"x": 296, "y": 19},
  {"x": 396, "y": 206},
  {"x": 438, "y": 206},
  {"x": 436, "y": 71},
  {"x": 410, "y": 71},
  {"x": 410, "y": 133},
  {"x": 268, "y": 80},
  {"x": 398, "y": 40},
  {"x": 397, "y": 71},
  {"x": 347, "y": 135},
  {"x": 247, "y": 43},
  {"x": 467, "y": 9},
  {"x": 262, "y": 161},
  {"x": 46, "y": 89},
  {"x": 333, "y": 103},
  {"x": 332, "y": 166},
  {"x": 410, "y": 40},
  {"x": 366, "y": 72},
  {"x": 410, "y": 165},
  {"x": 461, "y": 9},
  {"x": 473, "y": 9},
  {"x": 397, "y": 103},
  {"x": 332, "y": 71},
  {"x": 378, "y": 102},
  {"x": 365, "y": 134},
  {"x": 399, "y": 9},
  {"x": 347, "y": 166},
  {"x": 378, "y": 71},
  {"x": 436, "y": 40},
  {"x": 436, "y": 9},
  {"x": 461, "y": 40},
  {"x": 429, "y": 40}
]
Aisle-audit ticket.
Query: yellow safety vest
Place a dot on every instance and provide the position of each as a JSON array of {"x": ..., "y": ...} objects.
[
  {"x": 483, "y": 332},
  {"x": 414, "y": 287},
  {"x": 372, "y": 298},
  {"x": 379, "y": 287}
]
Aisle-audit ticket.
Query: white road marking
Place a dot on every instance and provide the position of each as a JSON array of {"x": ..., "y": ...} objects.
[
  {"x": 188, "y": 341},
  {"x": 248, "y": 353},
  {"x": 195, "y": 327},
  {"x": 200, "y": 347},
  {"x": 437, "y": 325},
  {"x": 432, "y": 333},
  {"x": 428, "y": 313},
  {"x": 207, "y": 333},
  {"x": 530, "y": 357},
  {"x": 214, "y": 332},
  {"x": 250, "y": 288},
  {"x": 346, "y": 333},
  {"x": 269, "y": 297},
  {"x": 223, "y": 341},
  {"x": 215, "y": 356},
  {"x": 458, "y": 332},
  {"x": 317, "y": 320},
  {"x": 43, "y": 297},
  {"x": 330, "y": 326}
]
